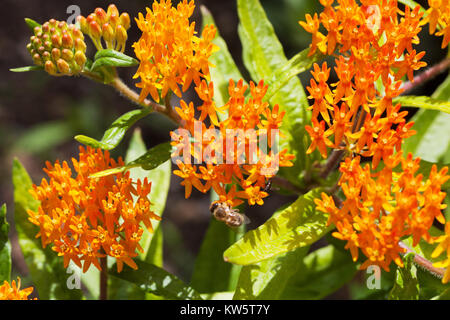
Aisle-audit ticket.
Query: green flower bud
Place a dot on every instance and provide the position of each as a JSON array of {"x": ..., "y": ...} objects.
[{"x": 59, "y": 47}]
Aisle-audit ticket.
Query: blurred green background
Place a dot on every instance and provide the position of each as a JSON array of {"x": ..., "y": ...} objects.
[{"x": 40, "y": 114}]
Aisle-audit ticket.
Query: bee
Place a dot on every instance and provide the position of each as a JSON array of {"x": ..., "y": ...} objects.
[{"x": 231, "y": 217}]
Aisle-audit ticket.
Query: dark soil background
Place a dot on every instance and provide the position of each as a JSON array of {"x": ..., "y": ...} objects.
[{"x": 40, "y": 114}]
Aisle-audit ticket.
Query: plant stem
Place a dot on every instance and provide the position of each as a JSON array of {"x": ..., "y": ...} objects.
[
  {"x": 332, "y": 162},
  {"x": 286, "y": 184},
  {"x": 104, "y": 278},
  {"x": 426, "y": 75},
  {"x": 424, "y": 263}
]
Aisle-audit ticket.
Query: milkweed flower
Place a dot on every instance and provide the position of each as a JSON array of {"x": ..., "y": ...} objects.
[
  {"x": 13, "y": 292},
  {"x": 58, "y": 47},
  {"x": 375, "y": 42},
  {"x": 231, "y": 149},
  {"x": 85, "y": 219},
  {"x": 382, "y": 208},
  {"x": 170, "y": 53}
]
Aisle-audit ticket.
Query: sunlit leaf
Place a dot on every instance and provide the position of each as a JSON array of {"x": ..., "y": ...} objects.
[
  {"x": 423, "y": 102},
  {"x": 296, "y": 226},
  {"x": 263, "y": 55}
]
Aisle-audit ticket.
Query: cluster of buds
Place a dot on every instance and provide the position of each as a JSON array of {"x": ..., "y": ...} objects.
[
  {"x": 110, "y": 26},
  {"x": 58, "y": 47}
]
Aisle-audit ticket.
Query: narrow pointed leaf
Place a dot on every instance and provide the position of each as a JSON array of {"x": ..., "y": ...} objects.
[
  {"x": 115, "y": 133},
  {"x": 153, "y": 158},
  {"x": 31, "y": 23},
  {"x": 112, "y": 58},
  {"x": 26, "y": 69},
  {"x": 296, "y": 226},
  {"x": 263, "y": 55},
  {"x": 423, "y": 102}
]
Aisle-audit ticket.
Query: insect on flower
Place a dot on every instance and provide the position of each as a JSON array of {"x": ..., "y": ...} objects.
[{"x": 231, "y": 217}]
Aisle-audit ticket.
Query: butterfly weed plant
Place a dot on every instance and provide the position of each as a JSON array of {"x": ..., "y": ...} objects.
[{"x": 347, "y": 149}]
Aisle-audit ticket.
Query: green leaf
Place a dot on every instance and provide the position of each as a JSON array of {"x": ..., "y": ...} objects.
[
  {"x": 296, "y": 226},
  {"x": 153, "y": 158},
  {"x": 406, "y": 285},
  {"x": 45, "y": 267},
  {"x": 319, "y": 274},
  {"x": 263, "y": 55},
  {"x": 116, "y": 132},
  {"x": 423, "y": 102},
  {"x": 443, "y": 296},
  {"x": 26, "y": 69},
  {"x": 5, "y": 247},
  {"x": 225, "y": 69},
  {"x": 153, "y": 279},
  {"x": 296, "y": 65},
  {"x": 432, "y": 141},
  {"x": 210, "y": 264},
  {"x": 160, "y": 179},
  {"x": 31, "y": 23},
  {"x": 112, "y": 58},
  {"x": 268, "y": 279}
]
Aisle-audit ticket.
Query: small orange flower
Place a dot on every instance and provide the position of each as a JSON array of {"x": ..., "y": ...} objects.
[
  {"x": 85, "y": 218},
  {"x": 13, "y": 291}
]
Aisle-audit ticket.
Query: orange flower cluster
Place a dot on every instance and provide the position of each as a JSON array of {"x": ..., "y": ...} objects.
[
  {"x": 89, "y": 218},
  {"x": 438, "y": 18},
  {"x": 374, "y": 44},
  {"x": 169, "y": 52},
  {"x": 13, "y": 292},
  {"x": 382, "y": 208},
  {"x": 230, "y": 150}
]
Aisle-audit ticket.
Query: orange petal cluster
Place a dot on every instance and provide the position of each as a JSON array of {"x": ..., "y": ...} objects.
[
  {"x": 382, "y": 208},
  {"x": 170, "y": 53},
  {"x": 85, "y": 218},
  {"x": 438, "y": 18},
  {"x": 13, "y": 292},
  {"x": 375, "y": 44},
  {"x": 213, "y": 160}
]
